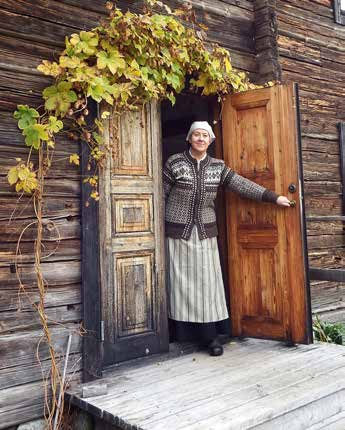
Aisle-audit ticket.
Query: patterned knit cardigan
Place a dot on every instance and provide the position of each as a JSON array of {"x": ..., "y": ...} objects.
[{"x": 190, "y": 193}]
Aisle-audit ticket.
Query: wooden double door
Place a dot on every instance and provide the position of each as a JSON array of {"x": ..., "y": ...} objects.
[{"x": 267, "y": 262}]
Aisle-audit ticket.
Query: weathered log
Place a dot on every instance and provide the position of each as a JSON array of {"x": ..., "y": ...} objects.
[
  {"x": 12, "y": 299},
  {"x": 54, "y": 250},
  {"x": 20, "y": 348},
  {"x": 56, "y": 12},
  {"x": 55, "y": 273},
  {"x": 327, "y": 205},
  {"x": 21, "y": 208},
  {"x": 19, "y": 375},
  {"x": 328, "y": 296},
  {"x": 63, "y": 228},
  {"x": 312, "y": 187},
  {"x": 29, "y": 319},
  {"x": 326, "y": 241},
  {"x": 31, "y": 404},
  {"x": 327, "y": 258}
]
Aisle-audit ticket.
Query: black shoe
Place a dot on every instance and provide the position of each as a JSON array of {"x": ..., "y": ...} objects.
[{"x": 215, "y": 348}]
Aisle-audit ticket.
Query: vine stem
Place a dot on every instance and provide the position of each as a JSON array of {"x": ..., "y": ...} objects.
[{"x": 55, "y": 377}]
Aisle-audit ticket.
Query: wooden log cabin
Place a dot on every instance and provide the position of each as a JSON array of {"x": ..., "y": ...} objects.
[{"x": 288, "y": 40}]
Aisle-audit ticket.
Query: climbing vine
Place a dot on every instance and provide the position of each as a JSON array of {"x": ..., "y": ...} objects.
[{"x": 125, "y": 62}]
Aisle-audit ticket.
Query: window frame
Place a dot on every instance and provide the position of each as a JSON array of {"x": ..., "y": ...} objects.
[{"x": 339, "y": 14}]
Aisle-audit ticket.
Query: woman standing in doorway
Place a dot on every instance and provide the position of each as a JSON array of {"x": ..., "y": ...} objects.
[{"x": 197, "y": 305}]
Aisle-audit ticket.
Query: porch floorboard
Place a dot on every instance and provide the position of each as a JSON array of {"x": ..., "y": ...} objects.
[{"x": 256, "y": 384}]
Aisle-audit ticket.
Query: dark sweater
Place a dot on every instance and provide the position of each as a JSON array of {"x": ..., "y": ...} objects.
[{"x": 190, "y": 193}]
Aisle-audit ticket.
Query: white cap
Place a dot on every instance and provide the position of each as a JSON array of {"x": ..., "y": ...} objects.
[{"x": 203, "y": 125}]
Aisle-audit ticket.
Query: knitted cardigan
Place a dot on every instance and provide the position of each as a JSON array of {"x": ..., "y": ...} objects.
[{"x": 190, "y": 193}]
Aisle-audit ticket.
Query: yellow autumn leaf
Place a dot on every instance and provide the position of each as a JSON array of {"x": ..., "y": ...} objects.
[
  {"x": 74, "y": 159},
  {"x": 105, "y": 114},
  {"x": 12, "y": 176},
  {"x": 49, "y": 68},
  {"x": 94, "y": 195},
  {"x": 19, "y": 186}
]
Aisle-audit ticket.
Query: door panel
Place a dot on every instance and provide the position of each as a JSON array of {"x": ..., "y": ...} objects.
[
  {"x": 131, "y": 240},
  {"x": 267, "y": 281}
]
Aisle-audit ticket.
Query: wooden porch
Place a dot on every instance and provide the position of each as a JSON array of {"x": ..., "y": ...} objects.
[{"x": 256, "y": 384}]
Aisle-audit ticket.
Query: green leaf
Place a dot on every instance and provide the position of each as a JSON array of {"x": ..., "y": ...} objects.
[
  {"x": 172, "y": 98},
  {"x": 55, "y": 125},
  {"x": 112, "y": 60},
  {"x": 34, "y": 134},
  {"x": 174, "y": 80},
  {"x": 96, "y": 92},
  {"x": 98, "y": 138},
  {"x": 99, "y": 125},
  {"x": 25, "y": 115},
  {"x": 59, "y": 97}
]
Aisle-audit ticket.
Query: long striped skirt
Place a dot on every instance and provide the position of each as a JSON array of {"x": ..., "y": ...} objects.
[{"x": 194, "y": 280}]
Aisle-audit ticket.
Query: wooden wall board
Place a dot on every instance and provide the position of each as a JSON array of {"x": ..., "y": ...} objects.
[{"x": 311, "y": 48}]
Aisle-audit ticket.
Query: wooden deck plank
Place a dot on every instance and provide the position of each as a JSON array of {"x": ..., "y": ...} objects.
[
  {"x": 236, "y": 395},
  {"x": 334, "y": 422},
  {"x": 268, "y": 407},
  {"x": 202, "y": 392},
  {"x": 308, "y": 414},
  {"x": 140, "y": 376},
  {"x": 203, "y": 368}
]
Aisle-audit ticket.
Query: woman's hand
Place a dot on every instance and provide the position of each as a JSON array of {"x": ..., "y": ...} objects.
[{"x": 283, "y": 201}]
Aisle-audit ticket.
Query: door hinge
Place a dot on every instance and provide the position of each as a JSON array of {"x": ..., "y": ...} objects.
[{"x": 102, "y": 331}]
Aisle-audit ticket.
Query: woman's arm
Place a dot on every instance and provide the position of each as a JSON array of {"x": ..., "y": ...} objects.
[
  {"x": 168, "y": 179},
  {"x": 246, "y": 188}
]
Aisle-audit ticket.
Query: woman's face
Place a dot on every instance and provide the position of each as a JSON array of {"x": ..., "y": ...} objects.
[{"x": 200, "y": 140}]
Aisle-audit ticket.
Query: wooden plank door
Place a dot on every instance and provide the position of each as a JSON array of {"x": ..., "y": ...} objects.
[
  {"x": 268, "y": 282},
  {"x": 134, "y": 320}
]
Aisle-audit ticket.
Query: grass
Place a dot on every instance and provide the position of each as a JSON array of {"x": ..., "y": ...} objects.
[{"x": 328, "y": 332}]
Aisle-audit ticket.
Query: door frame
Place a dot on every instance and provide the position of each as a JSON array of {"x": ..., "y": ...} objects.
[
  {"x": 92, "y": 349},
  {"x": 90, "y": 273},
  {"x": 309, "y": 328}
]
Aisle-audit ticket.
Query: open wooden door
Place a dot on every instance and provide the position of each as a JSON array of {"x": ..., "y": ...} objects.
[
  {"x": 268, "y": 282},
  {"x": 133, "y": 303}
]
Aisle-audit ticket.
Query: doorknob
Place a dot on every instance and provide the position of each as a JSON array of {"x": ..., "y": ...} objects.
[
  {"x": 292, "y": 188},
  {"x": 292, "y": 203}
]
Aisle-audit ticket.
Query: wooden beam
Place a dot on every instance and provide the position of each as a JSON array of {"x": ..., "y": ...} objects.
[
  {"x": 326, "y": 218},
  {"x": 92, "y": 346},
  {"x": 339, "y": 13},
  {"x": 341, "y": 126},
  {"x": 337, "y": 275},
  {"x": 266, "y": 32}
]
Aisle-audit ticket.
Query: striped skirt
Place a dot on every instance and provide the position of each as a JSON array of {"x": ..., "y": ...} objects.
[{"x": 194, "y": 280}]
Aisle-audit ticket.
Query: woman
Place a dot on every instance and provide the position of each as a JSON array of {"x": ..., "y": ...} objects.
[{"x": 197, "y": 305}]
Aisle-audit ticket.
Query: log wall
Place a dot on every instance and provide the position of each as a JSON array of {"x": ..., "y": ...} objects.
[
  {"x": 31, "y": 31},
  {"x": 311, "y": 49}
]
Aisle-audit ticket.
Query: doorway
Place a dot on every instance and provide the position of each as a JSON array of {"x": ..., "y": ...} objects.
[{"x": 175, "y": 123}]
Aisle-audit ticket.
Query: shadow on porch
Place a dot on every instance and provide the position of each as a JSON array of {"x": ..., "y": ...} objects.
[{"x": 256, "y": 384}]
